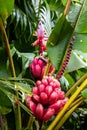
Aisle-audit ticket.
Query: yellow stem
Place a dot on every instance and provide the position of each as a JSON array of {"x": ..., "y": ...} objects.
[
  {"x": 52, "y": 72},
  {"x": 31, "y": 119},
  {"x": 67, "y": 115},
  {"x": 47, "y": 68},
  {"x": 67, "y": 7},
  {"x": 76, "y": 84},
  {"x": 62, "y": 112},
  {"x": 76, "y": 102}
]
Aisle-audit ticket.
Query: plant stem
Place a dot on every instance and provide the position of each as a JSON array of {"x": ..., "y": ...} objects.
[
  {"x": 65, "y": 108},
  {"x": 1, "y": 123},
  {"x": 76, "y": 102},
  {"x": 67, "y": 7},
  {"x": 31, "y": 119},
  {"x": 52, "y": 72},
  {"x": 40, "y": 124},
  {"x": 2, "y": 28},
  {"x": 47, "y": 68},
  {"x": 76, "y": 84},
  {"x": 18, "y": 112}
]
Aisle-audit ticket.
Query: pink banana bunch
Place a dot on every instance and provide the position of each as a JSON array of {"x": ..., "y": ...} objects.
[
  {"x": 38, "y": 66},
  {"x": 47, "y": 99}
]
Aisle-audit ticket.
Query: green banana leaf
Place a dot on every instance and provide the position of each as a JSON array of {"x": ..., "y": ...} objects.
[{"x": 58, "y": 41}]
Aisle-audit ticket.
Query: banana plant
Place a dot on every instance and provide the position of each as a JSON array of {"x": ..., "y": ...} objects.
[{"x": 40, "y": 96}]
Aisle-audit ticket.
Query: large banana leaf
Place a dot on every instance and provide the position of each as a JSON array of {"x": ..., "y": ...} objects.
[
  {"x": 77, "y": 61},
  {"x": 58, "y": 41},
  {"x": 81, "y": 26},
  {"x": 78, "y": 58},
  {"x": 80, "y": 42},
  {"x": 61, "y": 35},
  {"x": 73, "y": 12}
]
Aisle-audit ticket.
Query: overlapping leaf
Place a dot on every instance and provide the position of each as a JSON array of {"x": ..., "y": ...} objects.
[
  {"x": 58, "y": 41},
  {"x": 81, "y": 26},
  {"x": 81, "y": 29},
  {"x": 56, "y": 5},
  {"x": 80, "y": 42},
  {"x": 77, "y": 61}
]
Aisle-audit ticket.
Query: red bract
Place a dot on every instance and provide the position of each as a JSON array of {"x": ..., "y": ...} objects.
[
  {"x": 47, "y": 99},
  {"x": 41, "y": 39}
]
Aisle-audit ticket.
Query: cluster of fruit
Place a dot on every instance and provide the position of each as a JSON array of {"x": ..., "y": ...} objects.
[
  {"x": 47, "y": 99},
  {"x": 38, "y": 67}
]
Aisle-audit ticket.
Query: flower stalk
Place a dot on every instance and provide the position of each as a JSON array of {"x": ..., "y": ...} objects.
[
  {"x": 40, "y": 124},
  {"x": 30, "y": 122}
]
